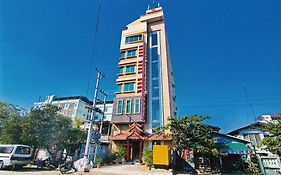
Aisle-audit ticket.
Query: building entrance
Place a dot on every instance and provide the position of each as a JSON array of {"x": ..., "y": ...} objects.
[{"x": 135, "y": 150}]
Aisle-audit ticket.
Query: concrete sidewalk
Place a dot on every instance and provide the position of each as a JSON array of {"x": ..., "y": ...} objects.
[{"x": 129, "y": 169}]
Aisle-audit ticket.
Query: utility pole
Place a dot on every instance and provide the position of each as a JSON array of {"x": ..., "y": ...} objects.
[
  {"x": 101, "y": 122},
  {"x": 104, "y": 106},
  {"x": 86, "y": 153}
]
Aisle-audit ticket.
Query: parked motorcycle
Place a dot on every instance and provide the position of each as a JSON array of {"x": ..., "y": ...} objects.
[
  {"x": 45, "y": 163},
  {"x": 67, "y": 166}
]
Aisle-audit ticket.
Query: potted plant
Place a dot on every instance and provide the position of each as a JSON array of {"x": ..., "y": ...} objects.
[
  {"x": 98, "y": 161},
  {"x": 148, "y": 157},
  {"x": 120, "y": 155}
]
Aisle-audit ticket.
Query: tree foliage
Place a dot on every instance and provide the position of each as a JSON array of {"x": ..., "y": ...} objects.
[
  {"x": 44, "y": 128},
  {"x": 78, "y": 122},
  {"x": 74, "y": 138},
  {"x": 273, "y": 143},
  {"x": 6, "y": 111},
  {"x": 190, "y": 133},
  {"x": 10, "y": 123},
  {"x": 158, "y": 130},
  {"x": 41, "y": 128},
  {"x": 11, "y": 133},
  {"x": 253, "y": 167},
  {"x": 148, "y": 156}
]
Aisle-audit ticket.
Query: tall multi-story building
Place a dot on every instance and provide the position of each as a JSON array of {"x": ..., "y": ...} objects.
[{"x": 145, "y": 97}]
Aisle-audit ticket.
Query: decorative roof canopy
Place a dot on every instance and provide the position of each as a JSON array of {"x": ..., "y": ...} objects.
[{"x": 135, "y": 132}]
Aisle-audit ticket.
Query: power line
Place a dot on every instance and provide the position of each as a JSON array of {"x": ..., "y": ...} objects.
[
  {"x": 93, "y": 49},
  {"x": 248, "y": 100}
]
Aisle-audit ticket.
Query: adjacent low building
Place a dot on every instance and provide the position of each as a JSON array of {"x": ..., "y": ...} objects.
[
  {"x": 252, "y": 132},
  {"x": 269, "y": 163},
  {"x": 104, "y": 120},
  {"x": 73, "y": 107},
  {"x": 80, "y": 107}
]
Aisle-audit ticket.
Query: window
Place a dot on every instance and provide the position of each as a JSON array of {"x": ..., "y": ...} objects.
[
  {"x": 128, "y": 106},
  {"x": 6, "y": 149},
  {"x": 155, "y": 116},
  {"x": 154, "y": 39},
  {"x": 156, "y": 142},
  {"x": 254, "y": 138},
  {"x": 22, "y": 150},
  {"x": 137, "y": 106},
  {"x": 130, "y": 69},
  {"x": 154, "y": 54},
  {"x": 106, "y": 109},
  {"x": 121, "y": 70},
  {"x": 123, "y": 54},
  {"x": 105, "y": 129},
  {"x": 119, "y": 87},
  {"x": 66, "y": 106},
  {"x": 119, "y": 107},
  {"x": 131, "y": 39},
  {"x": 129, "y": 87},
  {"x": 131, "y": 53}
]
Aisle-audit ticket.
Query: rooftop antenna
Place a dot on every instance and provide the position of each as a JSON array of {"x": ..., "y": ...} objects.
[{"x": 153, "y": 5}]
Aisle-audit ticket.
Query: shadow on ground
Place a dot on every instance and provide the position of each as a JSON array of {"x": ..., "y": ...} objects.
[{"x": 24, "y": 169}]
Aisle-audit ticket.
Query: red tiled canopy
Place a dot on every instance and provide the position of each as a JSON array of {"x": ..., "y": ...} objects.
[{"x": 136, "y": 133}]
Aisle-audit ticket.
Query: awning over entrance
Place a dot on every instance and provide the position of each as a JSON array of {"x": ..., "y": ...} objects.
[
  {"x": 135, "y": 132},
  {"x": 234, "y": 148},
  {"x": 160, "y": 136},
  {"x": 120, "y": 136},
  {"x": 123, "y": 135}
]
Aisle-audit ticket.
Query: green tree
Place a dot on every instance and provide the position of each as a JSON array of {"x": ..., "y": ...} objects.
[
  {"x": 191, "y": 133},
  {"x": 10, "y": 124},
  {"x": 41, "y": 128},
  {"x": 158, "y": 130},
  {"x": 273, "y": 143},
  {"x": 75, "y": 137},
  {"x": 45, "y": 128},
  {"x": 148, "y": 157},
  {"x": 253, "y": 167},
  {"x": 11, "y": 133},
  {"x": 78, "y": 122},
  {"x": 6, "y": 111}
]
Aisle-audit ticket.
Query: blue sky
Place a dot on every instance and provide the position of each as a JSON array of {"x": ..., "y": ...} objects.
[{"x": 216, "y": 47}]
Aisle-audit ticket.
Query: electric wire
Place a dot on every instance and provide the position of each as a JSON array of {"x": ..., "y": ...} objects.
[{"x": 93, "y": 48}]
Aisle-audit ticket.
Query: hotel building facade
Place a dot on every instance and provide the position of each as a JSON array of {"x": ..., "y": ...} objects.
[{"x": 145, "y": 97}]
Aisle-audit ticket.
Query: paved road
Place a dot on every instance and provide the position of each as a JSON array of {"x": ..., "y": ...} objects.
[
  {"x": 104, "y": 170},
  {"x": 129, "y": 169},
  {"x": 28, "y": 171},
  {"x": 31, "y": 171}
]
